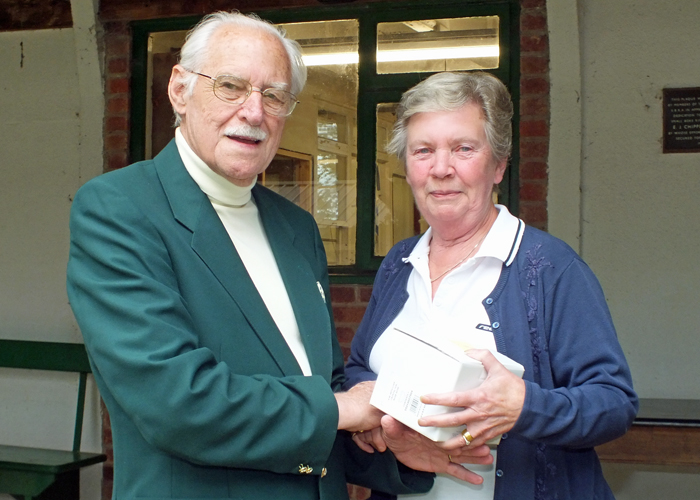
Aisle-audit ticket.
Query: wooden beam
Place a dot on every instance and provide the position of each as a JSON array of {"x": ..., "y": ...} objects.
[{"x": 654, "y": 445}]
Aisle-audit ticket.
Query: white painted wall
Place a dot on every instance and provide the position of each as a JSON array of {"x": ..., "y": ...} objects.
[
  {"x": 634, "y": 208},
  {"x": 52, "y": 105},
  {"x": 638, "y": 215}
]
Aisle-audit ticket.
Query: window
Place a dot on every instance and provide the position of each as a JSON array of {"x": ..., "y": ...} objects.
[{"x": 332, "y": 159}]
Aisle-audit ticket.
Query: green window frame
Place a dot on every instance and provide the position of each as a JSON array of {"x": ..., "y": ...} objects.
[{"x": 373, "y": 89}]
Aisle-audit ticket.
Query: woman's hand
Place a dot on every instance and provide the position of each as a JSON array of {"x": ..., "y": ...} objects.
[
  {"x": 488, "y": 410},
  {"x": 420, "y": 453}
]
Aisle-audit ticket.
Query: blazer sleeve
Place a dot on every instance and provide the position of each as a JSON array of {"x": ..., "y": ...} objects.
[{"x": 146, "y": 355}]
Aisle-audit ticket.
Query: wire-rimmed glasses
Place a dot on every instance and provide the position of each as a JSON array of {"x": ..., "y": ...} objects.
[{"x": 236, "y": 90}]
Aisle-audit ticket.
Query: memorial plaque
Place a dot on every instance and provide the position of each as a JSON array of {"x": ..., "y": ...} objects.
[{"x": 681, "y": 120}]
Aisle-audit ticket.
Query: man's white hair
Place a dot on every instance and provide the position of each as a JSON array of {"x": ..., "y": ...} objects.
[{"x": 195, "y": 49}]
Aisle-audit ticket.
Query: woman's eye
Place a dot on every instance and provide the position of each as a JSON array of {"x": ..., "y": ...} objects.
[{"x": 422, "y": 151}]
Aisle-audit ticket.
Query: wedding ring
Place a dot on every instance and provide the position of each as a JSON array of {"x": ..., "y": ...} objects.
[
  {"x": 468, "y": 438},
  {"x": 449, "y": 457}
]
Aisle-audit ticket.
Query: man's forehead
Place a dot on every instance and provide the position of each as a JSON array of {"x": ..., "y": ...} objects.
[{"x": 228, "y": 45}]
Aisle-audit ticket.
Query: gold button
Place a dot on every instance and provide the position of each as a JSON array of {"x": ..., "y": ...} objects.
[
  {"x": 305, "y": 469},
  {"x": 324, "y": 472}
]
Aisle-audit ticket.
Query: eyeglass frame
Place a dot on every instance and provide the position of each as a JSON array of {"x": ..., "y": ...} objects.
[{"x": 294, "y": 100}]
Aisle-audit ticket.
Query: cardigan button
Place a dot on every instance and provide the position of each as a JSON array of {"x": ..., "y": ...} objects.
[
  {"x": 496, "y": 324},
  {"x": 504, "y": 436},
  {"x": 489, "y": 301},
  {"x": 499, "y": 473}
]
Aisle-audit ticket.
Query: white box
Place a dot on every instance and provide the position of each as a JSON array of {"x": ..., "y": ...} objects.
[{"x": 420, "y": 365}]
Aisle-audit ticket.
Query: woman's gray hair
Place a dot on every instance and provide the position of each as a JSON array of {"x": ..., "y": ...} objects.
[
  {"x": 451, "y": 91},
  {"x": 194, "y": 51}
]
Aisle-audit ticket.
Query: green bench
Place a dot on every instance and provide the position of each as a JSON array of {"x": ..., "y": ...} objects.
[{"x": 34, "y": 473}]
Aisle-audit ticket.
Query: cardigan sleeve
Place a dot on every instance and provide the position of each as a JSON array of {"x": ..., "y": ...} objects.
[{"x": 584, "y": 396}]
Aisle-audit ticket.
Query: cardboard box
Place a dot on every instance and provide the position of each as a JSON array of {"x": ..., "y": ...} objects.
[{"x": 423, "y": 365}]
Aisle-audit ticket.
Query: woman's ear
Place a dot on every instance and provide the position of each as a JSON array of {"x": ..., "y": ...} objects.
[
  {"x": 177, "y": 91},
  {"x": 500, "y": 170}
]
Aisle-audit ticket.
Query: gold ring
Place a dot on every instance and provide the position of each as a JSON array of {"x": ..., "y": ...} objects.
[
  {"x": 468, "y": 438},
  {"x": 449, "y": 457}
]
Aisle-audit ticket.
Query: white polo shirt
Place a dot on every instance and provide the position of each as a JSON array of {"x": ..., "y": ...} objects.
[{"x": 457, "y": 313}]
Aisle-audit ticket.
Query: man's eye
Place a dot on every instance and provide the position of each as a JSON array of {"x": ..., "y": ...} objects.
[
  {"x": 422, "y": 151},
  {"x": 232, "y": 86},
  {"x": 273, "y": 97}
]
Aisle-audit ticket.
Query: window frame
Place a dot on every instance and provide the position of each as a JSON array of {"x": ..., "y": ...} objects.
[{"x": 373, "y": 89}]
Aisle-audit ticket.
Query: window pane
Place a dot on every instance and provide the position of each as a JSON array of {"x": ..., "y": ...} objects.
[
  {"x": 396, "y": 217},
  {"x": 438, "y": 45},
  {"x": 323, "y": 126}
]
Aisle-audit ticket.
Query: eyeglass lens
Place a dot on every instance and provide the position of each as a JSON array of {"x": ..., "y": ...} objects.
[{"x": 237, "y": 90}]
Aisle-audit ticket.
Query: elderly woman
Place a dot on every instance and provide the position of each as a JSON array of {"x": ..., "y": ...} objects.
[{"x": 482, "y": 278}]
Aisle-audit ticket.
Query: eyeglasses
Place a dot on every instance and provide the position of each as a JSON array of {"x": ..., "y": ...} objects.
[{"x": 236, "y": 90}]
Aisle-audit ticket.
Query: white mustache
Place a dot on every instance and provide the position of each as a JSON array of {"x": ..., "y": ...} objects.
[{"x": 246, "y": 131}]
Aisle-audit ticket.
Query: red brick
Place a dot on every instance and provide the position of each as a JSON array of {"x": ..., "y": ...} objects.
[
  {"x": 118, "y": 65},
  {"x": 530, "y": 4},
  {"x": 348, "y": 314},
  {"x": 118, "y": 85},
  {"x": 117, "y": 141},
  {"x": 117, "y": 105},
  {"x": 116, "y": 160},
  {"x": 534, "y": 149},
  {"x": 116, "y": 124},
  {"x": 534, "y": 214},
  {"x": 536, "y": 106},
  {"x": 358, "y": 492},
  {"x": 345, "y": 334},
  {"x": 534, "y": 65},
  {"x": 533, "y": 170},
  {"x": 533, "y": 20},
  {"x": 117, "y": 46},
  {"x": 534, "y": 128},
  {"x": 534, "y": 43},
  {"x": 365, "y": 293},
  {"x": 343, "y": 294},
  {"x": 533, "y": 191},
  {"x": 533, "y": 86}
]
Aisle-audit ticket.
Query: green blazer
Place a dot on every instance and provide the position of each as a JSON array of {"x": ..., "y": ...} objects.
[{"x": 205, "y": 398}]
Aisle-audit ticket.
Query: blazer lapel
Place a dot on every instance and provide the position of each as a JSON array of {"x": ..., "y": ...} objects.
[
  {"x": 302, "y": 286},
  {"x": 212, "y": 244}
]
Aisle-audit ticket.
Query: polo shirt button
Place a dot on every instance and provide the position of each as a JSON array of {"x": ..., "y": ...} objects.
[
  {"x": 489, "y": 300},
  {"x": 496, "y": 324},
  {"x": 499, "y": 473}
]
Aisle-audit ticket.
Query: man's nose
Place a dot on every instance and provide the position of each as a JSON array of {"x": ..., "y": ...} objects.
[{"x": 252, "y": 109}]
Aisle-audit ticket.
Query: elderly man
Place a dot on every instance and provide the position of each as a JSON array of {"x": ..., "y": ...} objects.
[{"x": 203, "y": 300}]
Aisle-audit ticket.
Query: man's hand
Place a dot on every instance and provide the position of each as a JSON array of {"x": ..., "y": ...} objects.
[
  {"x": 420, "y": 453},
  {"x": 354, "y": 411}
]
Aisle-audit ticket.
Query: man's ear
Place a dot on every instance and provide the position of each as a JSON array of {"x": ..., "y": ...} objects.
[{"x": 177, "y": 91}]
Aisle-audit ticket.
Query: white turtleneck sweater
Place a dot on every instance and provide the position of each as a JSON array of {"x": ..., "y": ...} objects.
[{"x": 239, "y": 215}]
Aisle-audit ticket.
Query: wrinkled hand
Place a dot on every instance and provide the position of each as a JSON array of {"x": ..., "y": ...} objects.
[
  {"x": 420, "y": 453},
  {"x": 488, "y": 410},
  {"x": 370, "y": 440},
  {"x": 354, "y": 411}
]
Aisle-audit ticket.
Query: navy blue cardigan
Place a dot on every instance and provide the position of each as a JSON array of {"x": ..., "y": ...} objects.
[{"x": 548, "y": 312}]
